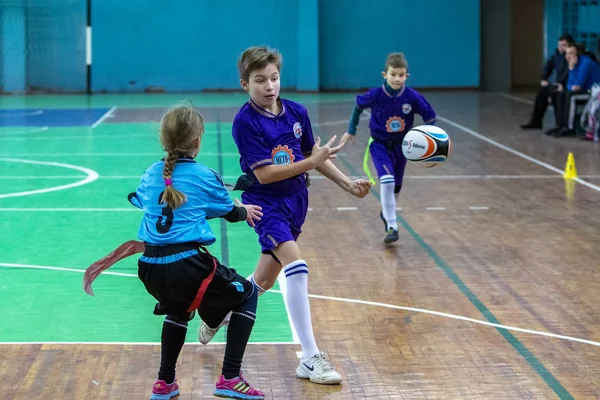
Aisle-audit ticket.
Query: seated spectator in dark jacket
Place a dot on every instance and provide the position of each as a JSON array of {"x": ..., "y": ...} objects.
[
  {"x": 584, "y": 72},
  {"x": 558, "y": 64}
]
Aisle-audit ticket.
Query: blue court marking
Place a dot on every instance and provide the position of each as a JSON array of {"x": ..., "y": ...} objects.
[{"x": 17, "y": 117}]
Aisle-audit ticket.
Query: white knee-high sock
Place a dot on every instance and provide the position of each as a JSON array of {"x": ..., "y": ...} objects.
[
  {"x": 388, "y": 201},
  {"x": 296, "y": 297}
]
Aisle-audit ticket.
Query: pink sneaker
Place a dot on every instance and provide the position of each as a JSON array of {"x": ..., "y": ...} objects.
[
  {"x": 237, "y": 388},
  {"x": 162, "y": 391}
]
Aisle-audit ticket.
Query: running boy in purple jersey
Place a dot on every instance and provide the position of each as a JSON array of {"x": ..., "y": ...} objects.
[
  {"x": 276, "y": 145},
  {"x": 393, "y": 108}
]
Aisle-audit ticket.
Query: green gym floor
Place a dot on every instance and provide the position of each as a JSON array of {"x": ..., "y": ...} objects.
[{"x": 63, "y": 202}]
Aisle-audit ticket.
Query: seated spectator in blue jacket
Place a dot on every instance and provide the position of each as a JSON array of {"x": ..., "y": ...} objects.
[
  {"x": 556, "y": 66},
  {"x": 584, "y": 72}
]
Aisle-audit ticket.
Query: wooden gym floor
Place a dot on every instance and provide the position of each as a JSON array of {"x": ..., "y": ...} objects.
[{"x": 489, "y": 294}]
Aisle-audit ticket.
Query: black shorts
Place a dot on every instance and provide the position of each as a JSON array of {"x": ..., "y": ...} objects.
[{"x": 172, "y": 275}]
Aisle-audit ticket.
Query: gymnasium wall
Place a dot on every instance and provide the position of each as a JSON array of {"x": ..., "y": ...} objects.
[
  {"x": 552, "y": 24},
  {"x": 440, "y": 39},
  {"x": 187, "y": 46},
  {"x": 55, "y": 45},
  {"x": 193, "y": 45},
  {"x": 2, "y": 44}
]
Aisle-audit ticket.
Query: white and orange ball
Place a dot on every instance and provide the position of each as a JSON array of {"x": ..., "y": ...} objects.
[{"x": 428, "y": 145}]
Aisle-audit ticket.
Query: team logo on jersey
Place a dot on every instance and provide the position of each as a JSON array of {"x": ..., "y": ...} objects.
[
  {"x": 395, "y": 124},
  {"x": 282, "y": 155},
  {"x": 406, "y": 108},
  {"x": 298, "y": 130}
]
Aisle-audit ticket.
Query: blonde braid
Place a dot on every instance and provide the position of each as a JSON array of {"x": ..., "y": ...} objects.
[
  {"x": 173, "y": 197},
  {"x": 180, "y": 134}
]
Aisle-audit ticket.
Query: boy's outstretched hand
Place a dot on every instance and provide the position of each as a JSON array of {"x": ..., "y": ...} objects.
[
  {"x": 320, "y": 154},
  {"x": 359, "y": 188}
]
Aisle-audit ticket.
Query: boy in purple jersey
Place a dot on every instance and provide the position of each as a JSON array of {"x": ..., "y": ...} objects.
[
  {"x": 275, "y": 141},
  {"x": 393, "y": 108}
]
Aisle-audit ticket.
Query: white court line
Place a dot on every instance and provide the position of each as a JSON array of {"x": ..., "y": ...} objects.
[
  {"x": 142, "y": 343},
  {"x": 283, "y": 285},
  {"x": 49, "y": 177},
  {"x": 521, "y": 177},
  {"x": 91, "y": 176},
  {"x": 22, "y": 114},
  {"x": 134, "y": 135},
  {"x": 332, "y": 123},
  {"x": 106, "y": 115},
  {"x": 87, "y": 136},
  {"x": 340, "y": 299},
  {"x": 127, "y": 155},
  {"x": 515, "y": 152},
  {"x": 23, "y": 209},
  {"x": 135, "y": 209},
  {"x": 511, "y": 150},
  {"x": 457, "y": 317},
  {"x": 138, "y": 177},
  {"x": 83, "y": 136},
  {"x": 515, "y": 98},
  {"x": 315, "y": 177},
  {"x": 27, "y": 266},
  {"x": 24, "y": 131},
  {"x": 443, "y": 177},
  {"x": 40, "y": 177}
]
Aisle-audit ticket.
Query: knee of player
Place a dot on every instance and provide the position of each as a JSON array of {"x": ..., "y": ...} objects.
[{"x": 264, "y": 284}]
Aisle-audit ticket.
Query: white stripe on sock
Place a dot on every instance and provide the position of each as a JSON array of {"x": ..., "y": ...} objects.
[
  {"x": 245, "y": 314},
  {"x": 176, "y": 323}
]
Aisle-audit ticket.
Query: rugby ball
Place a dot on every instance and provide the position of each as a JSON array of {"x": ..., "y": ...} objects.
[{"x": 428, "y": 145}]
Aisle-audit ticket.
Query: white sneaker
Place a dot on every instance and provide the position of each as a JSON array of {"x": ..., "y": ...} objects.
[
  {"x": 319, "y": 370},
  {"x": 206, "y": 333}
]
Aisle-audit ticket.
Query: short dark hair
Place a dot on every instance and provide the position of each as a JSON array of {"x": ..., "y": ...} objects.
[
  {"x": 577, "y": 47},
  {"x": 396, "y": 60},
  {"x": 256, "y": 58},
  {"x": 567, "y": 38}
]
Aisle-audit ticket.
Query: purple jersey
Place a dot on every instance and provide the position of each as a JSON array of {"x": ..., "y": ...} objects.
[
  {"x": 393, "y": 116},
  {"x": 265, "y": 139}
]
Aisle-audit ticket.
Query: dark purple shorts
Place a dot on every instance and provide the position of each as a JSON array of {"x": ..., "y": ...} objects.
[
  {"x": 282, "y": 218},
  {"x": 388, "y": 160}
]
